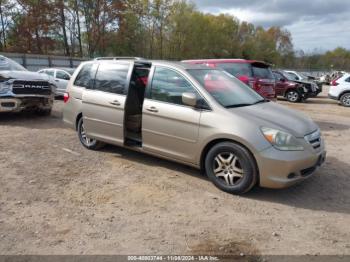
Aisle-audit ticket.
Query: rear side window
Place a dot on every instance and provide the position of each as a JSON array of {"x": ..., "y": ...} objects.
[
  {"x": 85, "y": 77},
  {"x": 112, "y": 78},
  {"x": 262, "y": 72},
  {"x": 236, "y": 69}
]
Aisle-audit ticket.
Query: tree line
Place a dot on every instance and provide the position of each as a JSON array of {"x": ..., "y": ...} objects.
[{"x": 155, "y": 29}]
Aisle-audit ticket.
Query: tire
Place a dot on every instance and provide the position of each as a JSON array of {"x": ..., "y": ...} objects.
[
  {"x": 88, "y": 143},
  {"x": 293, "y": 96},
  {"x": 239, "y": 176},
  {"x": 345, "y": 99}
]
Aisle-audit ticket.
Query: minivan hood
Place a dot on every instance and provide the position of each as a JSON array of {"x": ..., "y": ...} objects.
[
  {"x": 276, "y": 116},
  {"x": 24, "y": 75}
]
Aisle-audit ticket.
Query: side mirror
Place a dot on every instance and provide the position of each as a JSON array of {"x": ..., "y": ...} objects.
[
  {"x": 189, "y": 99},
  {"x": 282, "y": 79}
]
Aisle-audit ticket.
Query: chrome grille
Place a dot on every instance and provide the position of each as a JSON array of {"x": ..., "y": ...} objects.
[{"x": 314, "y": 139}]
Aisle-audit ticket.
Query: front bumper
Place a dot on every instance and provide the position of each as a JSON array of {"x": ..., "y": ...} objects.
[
  {"x": 10, "y": 105},
  {"x": 21, "y": 103},
  {"x": 280, "y": 169}
]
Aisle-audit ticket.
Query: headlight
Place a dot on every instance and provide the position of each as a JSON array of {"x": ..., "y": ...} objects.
[
  {"x": 281, "y": 140},
  {"x": 4, "y": 87}
]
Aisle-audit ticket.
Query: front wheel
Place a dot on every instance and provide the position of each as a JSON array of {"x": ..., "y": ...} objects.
[
  {"x": 87, "y": 142},
  {"x": 345, "y": 100},
  {"x": 293, "y": 96},
  {"x": 231, "y": 168}
]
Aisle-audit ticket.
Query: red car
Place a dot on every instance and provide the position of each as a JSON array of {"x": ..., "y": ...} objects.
[
  {"x": 256, "y": 74},
  {"x": 288, "y": 88}
]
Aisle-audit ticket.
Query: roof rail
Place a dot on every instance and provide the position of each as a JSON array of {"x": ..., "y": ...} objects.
[{"x": 118, "y": 58}]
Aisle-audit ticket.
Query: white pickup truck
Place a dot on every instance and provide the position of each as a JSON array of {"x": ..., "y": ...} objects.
[{"x": 23, "y": 90}]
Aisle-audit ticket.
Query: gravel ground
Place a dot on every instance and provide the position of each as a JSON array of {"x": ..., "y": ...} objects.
[{"x": 58, "y": 198}]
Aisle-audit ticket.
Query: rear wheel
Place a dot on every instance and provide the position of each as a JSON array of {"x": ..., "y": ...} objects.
[
  {"x": 87, "y": 142},
  {"x": 345, "y": 99},
  {"x": 293, "y": 96},
  {"x": 231, "y": 168}
]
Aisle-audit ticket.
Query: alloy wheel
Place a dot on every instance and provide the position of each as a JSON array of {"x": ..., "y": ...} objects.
[
  {"x": 227, "y": 167},
  {"x": 86, "y": 140},
  {"x": 346, "y": 100},
  {"x": 293, "y": 96}
]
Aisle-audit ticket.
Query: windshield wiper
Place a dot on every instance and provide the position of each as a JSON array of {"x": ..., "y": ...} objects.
[
  {"x": 246, "y": 104},
  {"x": 238, "y": 105},
  {"x": 261, "y": 101}
]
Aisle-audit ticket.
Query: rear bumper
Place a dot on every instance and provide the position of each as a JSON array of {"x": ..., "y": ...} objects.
[
  {"x": 280, "y": 169},
  {"x": 333, "y": 97}
]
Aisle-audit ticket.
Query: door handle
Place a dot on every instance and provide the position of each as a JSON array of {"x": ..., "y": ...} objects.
[
  {"x": 115, "y": 103},
  {"x": 152, "y": 109}
]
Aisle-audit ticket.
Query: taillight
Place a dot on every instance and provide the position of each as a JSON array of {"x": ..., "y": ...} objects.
[
  {"x": 65, "y": 97},
  {"x": 334, "y": 83}
]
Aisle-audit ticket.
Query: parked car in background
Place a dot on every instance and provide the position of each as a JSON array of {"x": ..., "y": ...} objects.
[
  {"x": 196, "y": 115},
  {"x": 340, "y": 90},
  {"x": 303, "y": 77},
  {"x": 294, "y": 92},
  {"x": 23, "y": 90},
  {"x": 296, "y": 75},
  {"x": 313, "y": 89},
  {"x": 325, "y": 79},
  {"x": 60, "y": 76},
  {"x": 256, "y": 74}
]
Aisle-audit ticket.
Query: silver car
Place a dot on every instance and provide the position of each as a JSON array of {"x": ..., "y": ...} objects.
[
  {"x": 60, "y": 77},
  {"x": 195, "y": 115}
]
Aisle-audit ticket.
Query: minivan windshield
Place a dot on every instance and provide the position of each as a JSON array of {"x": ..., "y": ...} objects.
[{"x": 226, "y": 89}]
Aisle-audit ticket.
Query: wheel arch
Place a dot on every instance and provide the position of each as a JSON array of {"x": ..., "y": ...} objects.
[
  {"x": 80, "y": 115},
  {"x": 343, "y": 93},
  {"x": 291, "y": 89},
  {"x": 214, "y": 142}
]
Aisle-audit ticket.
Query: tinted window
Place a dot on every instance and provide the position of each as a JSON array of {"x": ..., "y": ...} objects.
[
  {"x": 168, "y": 86},
  {"x": 278, "y": 76},
  {"x": 62, "y": 75},
  {"x": 348, "y": 79},
  {"x": 237, "y": 69},
  {"x": 112, "y": 78},
  {"x": 85, "y": 77},
  {"x": 225, "y": 89},
  {"x": 262, "y": 72},
  {"x": 293, "y": 76}
]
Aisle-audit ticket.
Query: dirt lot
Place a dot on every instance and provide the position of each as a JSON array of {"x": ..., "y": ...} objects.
[{"x": 58, "y": 198}]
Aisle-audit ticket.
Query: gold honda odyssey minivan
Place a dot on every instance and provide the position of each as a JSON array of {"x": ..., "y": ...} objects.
[{"x": 195, "y": 115}]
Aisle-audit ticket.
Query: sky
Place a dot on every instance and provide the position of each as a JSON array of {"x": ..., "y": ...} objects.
[{"x": 315, "y": 24}]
